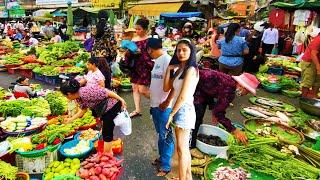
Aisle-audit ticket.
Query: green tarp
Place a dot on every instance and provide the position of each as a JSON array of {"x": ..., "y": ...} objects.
[{"x": 308, "y": 4}]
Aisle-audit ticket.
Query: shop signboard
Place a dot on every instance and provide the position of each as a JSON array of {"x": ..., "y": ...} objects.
[
  {"x": 17, "y": 13},
  {"x": 54, "y": 2},
  {"x": 106, "y": 4}
]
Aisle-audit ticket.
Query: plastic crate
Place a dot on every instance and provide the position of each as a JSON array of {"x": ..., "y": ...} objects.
[
  {"x": 12, "y": 70},
  {"x": 53, "y": 80},
  {"x": 36, "y": 165},
  {"x": 39, "y": 77},
  {"x": 26, "y": 73}
]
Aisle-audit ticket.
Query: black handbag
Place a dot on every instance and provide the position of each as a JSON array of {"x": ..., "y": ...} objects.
[{"x": 100, "y": 109}]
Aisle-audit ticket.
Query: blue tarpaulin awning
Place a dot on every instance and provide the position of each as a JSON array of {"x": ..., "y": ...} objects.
[{"x": 180, "y": 15}]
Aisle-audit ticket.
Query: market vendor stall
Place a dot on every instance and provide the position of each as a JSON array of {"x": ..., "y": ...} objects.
[
  {"x": 280, "y": 74},
  {"x": 281, "y": 145}
]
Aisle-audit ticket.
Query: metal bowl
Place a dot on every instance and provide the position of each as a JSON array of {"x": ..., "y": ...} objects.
[{"x": 310, "y": 106}]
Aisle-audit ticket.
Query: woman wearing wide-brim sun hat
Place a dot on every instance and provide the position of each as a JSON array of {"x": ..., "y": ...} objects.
[{"x": 217, "y": 90}]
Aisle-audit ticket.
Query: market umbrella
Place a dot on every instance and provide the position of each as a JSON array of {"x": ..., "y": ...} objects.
[
  {"x": 69, "y": 20},
  {"x": 131, "y": 24},
  {"x": 112, "y": 19}
]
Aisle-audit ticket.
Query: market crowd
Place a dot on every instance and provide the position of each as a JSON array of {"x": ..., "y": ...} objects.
[{"x": 179, "y": 87}]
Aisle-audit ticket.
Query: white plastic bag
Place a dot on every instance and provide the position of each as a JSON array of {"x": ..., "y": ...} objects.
[{"x": 123, "y": 120}]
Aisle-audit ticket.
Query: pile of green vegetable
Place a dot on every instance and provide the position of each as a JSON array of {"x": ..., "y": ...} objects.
[
  {"x": 13, "y": 107},
  {"x": 65, "y": 62},
  {"x": 82, "y": 57},
  {"x": 30, "y": 66},
  {"x": 260, "y": 156},
  {"x": 58, "y": 103},
  {"x": 7, "y": 171},
  {"x": 289, "y": 84},
  {"x": 2, "y": 93},
  {"x": 47, "y": 70},
  {"x": 38, "y": 107},
  {"x": 73, "y": 70},
  {"x": 13, "y": 59},
  {"x": 47, "y": 57},
  {"x": 60, "y": 131}
]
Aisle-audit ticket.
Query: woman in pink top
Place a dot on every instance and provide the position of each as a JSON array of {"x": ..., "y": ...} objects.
[
  {"x": 91, "y": 96},
  {"x": 216, "y": 35}
]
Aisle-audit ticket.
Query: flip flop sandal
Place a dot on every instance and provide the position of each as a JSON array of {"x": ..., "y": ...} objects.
[
  {"x": 156, "y": 162},
  {"x": 162, "y": 173},
  {"x": 134, "y": 114},
  {"x": 174, "y": 178}
]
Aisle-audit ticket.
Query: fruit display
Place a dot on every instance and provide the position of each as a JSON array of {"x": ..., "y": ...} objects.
[
  {"x": 22, "y": 123},
  {"x": 13, "y": 59},
  {"x": 82, "y": 147},
  {"x": 7, "y": 171},
  {"x": 100, "y": 166},
  {"x": 117, "y": 146},
  {"x": 57, "y": 168}
]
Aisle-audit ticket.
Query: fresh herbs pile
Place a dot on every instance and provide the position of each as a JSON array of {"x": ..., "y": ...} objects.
[
  {"x": 260, "y": 156},
  {"x": 38, "y": 107},
  {"x": 47, "y": 70},
  {"x": 58, "y": 103},
  {"x": 13, "y": 108}
]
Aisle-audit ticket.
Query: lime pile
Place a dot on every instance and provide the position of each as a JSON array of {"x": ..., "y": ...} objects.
[{"x": 58, "y": 168}]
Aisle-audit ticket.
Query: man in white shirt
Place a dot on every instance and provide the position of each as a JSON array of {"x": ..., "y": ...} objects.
[
  {"x": 160, "y": 103},
  {"x": 269, "y": 39}
]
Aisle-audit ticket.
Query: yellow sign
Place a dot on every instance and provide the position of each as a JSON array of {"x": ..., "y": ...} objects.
[{"x": 107, "y": 4}]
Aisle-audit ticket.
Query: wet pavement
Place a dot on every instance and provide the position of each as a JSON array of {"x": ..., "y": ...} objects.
[{"x": 140, "y": 148}]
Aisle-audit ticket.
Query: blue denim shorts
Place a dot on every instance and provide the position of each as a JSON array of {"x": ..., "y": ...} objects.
[{"x": 185, "y": 118}]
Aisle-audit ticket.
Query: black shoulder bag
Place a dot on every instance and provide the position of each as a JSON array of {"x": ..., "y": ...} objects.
[{"x": 99, "y": 109}]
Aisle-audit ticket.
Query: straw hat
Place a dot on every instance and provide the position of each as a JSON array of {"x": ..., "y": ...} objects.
[{"x": 248, "y": 81}]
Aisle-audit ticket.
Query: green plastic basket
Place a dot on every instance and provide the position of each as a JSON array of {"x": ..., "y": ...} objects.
[
  {"x": 38, "y": 153},
  {"x": 291, "y": 94},
  {"x": 66, "y": 177},
  {"x": 271, "y": 87}
]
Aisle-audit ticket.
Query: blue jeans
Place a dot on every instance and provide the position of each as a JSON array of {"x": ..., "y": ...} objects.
[{"x": 165, "y": 139}]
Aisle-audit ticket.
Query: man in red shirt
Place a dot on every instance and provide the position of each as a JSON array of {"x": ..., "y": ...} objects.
[{"x": 310, "y": 66}]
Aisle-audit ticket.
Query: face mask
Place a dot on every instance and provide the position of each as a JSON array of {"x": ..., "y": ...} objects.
[{"x": 63, "y": 30}]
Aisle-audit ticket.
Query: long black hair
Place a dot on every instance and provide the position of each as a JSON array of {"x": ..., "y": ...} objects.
[
  {"x": 70, "y": 86},
  {"x": 143, "y": 22},
  {"x": 104, "y": 67},
  {"x": 102, "y": 22},
  {"x": 231, "y": 31},
  {"x": 192, "y": 62}
]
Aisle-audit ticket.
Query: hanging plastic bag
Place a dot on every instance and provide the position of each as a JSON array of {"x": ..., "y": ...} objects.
[
  {"x": 275, "y": 51},
  {"x": 123, "y": 120},
  {"x": 115, "y": 69}
]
